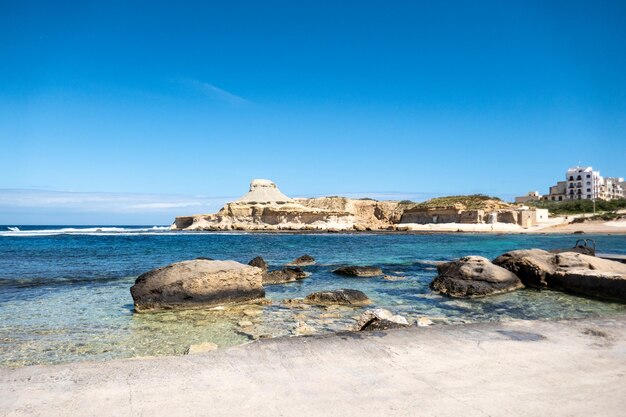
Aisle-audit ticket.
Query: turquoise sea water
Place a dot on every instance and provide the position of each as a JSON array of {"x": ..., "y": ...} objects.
[{"x": 64, "y": 292}]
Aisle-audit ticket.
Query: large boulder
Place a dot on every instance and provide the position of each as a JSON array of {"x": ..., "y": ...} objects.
[
  {"x": 379, "y": 319},
  {"x": 341, "y": 297},
  {"x": 282, "y": 276},
  {"x": 259, "y": 262},
  {"x": 304, "y": 260},
  {"x": 474, "y": 276},
  {"x": 530, "y": 265},
  {"x": 567, "y": 271},
  {"x": 195, "y": 284},
  {"x": 359, "y": 271}
]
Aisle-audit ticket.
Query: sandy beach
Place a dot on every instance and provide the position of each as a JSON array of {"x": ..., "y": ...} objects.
[
  {"x": 516, "y": 368},
  {"x": 553, "y": 227}
]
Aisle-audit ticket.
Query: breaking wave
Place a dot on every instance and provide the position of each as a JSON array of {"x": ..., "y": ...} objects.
[{"x": 98, "y": 231}]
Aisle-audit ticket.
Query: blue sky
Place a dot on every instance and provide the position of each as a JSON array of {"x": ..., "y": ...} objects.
[{"x": 118, "y": 113}]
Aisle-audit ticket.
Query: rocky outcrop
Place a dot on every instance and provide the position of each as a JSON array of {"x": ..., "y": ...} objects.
[
  {"x": 283, "y": 276},
  {"x": 259, "y": 262},
  {"x": 379, "y": 319},
  {"x": 195, "y": 284},
  {"x": 304, "y": 260},
  {"x": 474, "y": 276},
  {"x": 359, "y": 271},
  {"x": 567, "y": 271},
  {"x": 264, "y": 207},
  {"x": 344, "y": 296}
]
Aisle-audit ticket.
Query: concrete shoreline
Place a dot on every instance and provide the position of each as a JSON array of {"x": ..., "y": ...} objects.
[{"x": 516, "y": 368}]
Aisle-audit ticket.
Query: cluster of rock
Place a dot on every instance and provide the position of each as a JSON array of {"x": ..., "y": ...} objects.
[
  {"x": 203, "y": 282},
  {"x": 264, "y": 207},
  {"x": 475, "y": 276}
]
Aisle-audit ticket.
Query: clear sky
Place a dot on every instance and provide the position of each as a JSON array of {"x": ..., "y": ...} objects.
[{"x": 112, "y": 112}]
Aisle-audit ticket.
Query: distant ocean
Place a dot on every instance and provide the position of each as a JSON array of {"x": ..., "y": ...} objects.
[{"x": 64, "y": 290}]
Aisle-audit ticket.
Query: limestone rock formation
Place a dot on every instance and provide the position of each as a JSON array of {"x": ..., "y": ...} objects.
[
  {"x": 265, "y": 207},
  {"x": 567, "y": 271},
  {"x": 340, "y": 297},
  {"x": 379, "y": 319},
  {"x": 359, "y": 271},
  {"x": 259, "y": 262},
  {"x": 263, "y": 191},
  {"x": 304, "y": 260},
  {"x": 474, "y": 276},
  {"x": 283, "y": 276},
  {"x": 195, "y": 284}
]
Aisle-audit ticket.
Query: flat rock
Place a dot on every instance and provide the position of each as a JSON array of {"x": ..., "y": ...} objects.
[
  {"x": 342, "y": 296},
  {"x": 284, "y": 275},
  {"x": 259, "y": 262},
  {"x": 567, "y": 271},
  {"x": 359, "y": 271},
  {"x": 196, "y": 284},
  {"x": 304, "y": 260}
]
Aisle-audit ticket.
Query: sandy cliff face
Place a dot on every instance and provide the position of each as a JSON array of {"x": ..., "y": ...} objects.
[{"x": 328, "y": 213}]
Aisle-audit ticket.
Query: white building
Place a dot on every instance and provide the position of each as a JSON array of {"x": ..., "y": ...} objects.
[
  {"x": 583, "y": 183},
  {"x": 612, "y": 188}
]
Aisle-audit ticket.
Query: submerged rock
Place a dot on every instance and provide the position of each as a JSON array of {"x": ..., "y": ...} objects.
[
  {"x": 304, "y": 260},
  {"x": 302, "y": 328},
  {"x": 259, "y": 262},
  {"x": 379, "y": 319},
  {"x": 567, "y": 271},
  {"x": 201, "y": 348},
  {"x": 474, "y": 276},
  {"x": 342, "y": 297},
  {"x": 195, "y": 284},
  {"x": 284, "y": 275},
  {"x": 359, "y": 271}
]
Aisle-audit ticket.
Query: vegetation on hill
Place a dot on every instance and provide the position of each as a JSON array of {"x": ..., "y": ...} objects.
[
  {"x": 467, "y": 202},
  {"x": 579, "y": 206}
]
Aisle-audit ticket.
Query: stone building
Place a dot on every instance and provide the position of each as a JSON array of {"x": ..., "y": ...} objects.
[{"x": 531, "y": 196}]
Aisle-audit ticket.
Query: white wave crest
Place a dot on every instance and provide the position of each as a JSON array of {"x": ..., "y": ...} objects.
[{"x": 98, "y": 231}]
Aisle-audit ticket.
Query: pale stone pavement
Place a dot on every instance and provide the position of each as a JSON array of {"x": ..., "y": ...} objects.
[{"x": 521, "y": 368}]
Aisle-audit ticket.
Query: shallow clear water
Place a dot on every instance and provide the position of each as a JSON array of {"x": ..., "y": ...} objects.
[{"x": 65, "y": 296}]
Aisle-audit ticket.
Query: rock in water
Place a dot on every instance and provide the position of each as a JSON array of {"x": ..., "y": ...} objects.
[
  {"x": 283, "y": 276},
  {"x": 341, "y": 297},
  {"x": 379, "y": 319},
  {"x": 304, "y": 260},
  {"x": 359, "y": 271},
  {"x": 201, "y": 348},
  {"x": 259, "y": 263},
  {"x": 195, "y": 284},
  {"x": 567, "y": 271},
  {"x": 474, "y": 276}
]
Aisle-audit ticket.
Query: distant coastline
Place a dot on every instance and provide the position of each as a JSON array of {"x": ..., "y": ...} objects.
[{"x": 264, "y": 209}]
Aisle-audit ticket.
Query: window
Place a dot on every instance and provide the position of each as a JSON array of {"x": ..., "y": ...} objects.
[
  {"x": 588, "y": 176},
  {"x": 588, "y": 190}
]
